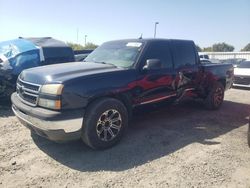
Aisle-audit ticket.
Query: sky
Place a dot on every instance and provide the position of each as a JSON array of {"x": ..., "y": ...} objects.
[{"x": 204, "y": 21}]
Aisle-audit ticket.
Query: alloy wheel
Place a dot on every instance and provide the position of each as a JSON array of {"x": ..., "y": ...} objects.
[{"x": 109, "y": 125}]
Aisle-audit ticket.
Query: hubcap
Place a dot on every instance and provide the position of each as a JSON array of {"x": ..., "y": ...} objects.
[
  {"x": 218, "y": 96},
  {"x": 109, "y": 125}
]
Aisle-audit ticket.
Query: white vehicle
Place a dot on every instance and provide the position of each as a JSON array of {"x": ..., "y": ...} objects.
[
  {"x": 203, "y": 55},
  {"x": 205, "y": 61},
  {"x": 242, "y": 75}
]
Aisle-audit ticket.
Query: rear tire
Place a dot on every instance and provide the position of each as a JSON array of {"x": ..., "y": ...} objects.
[
  {"x": 215, "y": 97},
  {"x": 104, "y": 123}
]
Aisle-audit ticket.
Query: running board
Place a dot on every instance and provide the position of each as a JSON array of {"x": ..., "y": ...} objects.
[{"x": 184, "y": 93}]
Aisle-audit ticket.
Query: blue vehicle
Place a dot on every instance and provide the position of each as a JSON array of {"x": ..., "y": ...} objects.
[{"x": 23, "y": 53}]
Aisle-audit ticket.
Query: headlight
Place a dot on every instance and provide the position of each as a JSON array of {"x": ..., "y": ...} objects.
[
  {"x": 48, "y": 103},
  {"x": 51, "y": 89},
  {"x": 54, "y": 89}
]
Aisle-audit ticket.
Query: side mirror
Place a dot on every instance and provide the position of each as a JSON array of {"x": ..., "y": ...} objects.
[{"x": 152, "y": 64}]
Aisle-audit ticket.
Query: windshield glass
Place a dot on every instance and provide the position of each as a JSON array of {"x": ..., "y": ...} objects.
[
  {"x": 118, "y": 53},
  {"x": 244, "y": 64}
]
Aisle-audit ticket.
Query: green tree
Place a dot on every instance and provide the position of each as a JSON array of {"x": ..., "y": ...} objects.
[
  {"x": 246, "y": 48},
  {"x": 75, "y": 46},
  {"x": 198, "y": 48},
  {"x": 207, "y": 49},
  {"x": 222, "y": 47},
  {"x": 89, "y": 46}
]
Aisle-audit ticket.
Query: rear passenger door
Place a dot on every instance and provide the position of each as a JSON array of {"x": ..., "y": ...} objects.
[
  {"x": 156, "y": 85},
  {"x": 185, "y": 64}
]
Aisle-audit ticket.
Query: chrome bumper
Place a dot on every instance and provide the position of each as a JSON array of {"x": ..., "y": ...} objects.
[
  {"x": 241, "y": 85},
  {"x": 57, "y": 126}
]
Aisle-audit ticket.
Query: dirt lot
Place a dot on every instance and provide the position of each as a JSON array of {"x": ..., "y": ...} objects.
[{"x": 169, "y": 146}]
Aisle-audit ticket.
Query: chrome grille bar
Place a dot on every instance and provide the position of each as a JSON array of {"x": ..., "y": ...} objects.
[{"x": 28, "y": 92}]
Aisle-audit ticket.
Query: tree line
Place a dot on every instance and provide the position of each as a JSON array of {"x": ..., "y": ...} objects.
[
  {"x": 88, "y": 46},
  {"x": 221, "y": 47}
]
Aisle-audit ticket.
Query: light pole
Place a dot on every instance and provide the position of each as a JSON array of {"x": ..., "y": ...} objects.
[
  {"x": 77, "y": 31},
  {"x": 85, "y": 40},
  {"x": 156, "y": 23}
]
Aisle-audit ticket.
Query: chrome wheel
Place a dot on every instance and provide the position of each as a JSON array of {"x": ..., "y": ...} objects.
[
  {"x": 218, "y": 96},
  {"x": 109, "y": 125}
]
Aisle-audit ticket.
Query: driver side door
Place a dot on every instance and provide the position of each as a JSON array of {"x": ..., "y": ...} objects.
[{"x": 156, "y": 84}]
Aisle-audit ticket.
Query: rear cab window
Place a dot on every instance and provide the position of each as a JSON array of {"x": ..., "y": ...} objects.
[{"x": 184, "y": 54}]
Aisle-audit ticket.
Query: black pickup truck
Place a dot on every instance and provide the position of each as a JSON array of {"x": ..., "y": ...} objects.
[{"x": 93, "y": 100}]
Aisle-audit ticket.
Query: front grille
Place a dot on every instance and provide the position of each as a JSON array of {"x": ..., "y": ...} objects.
[
  {"x": 28, "y": 92},
  {"x": 243, "y": 80}
]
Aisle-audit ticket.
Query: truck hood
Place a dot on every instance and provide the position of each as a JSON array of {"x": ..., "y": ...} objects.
[{"x": 60, "y": 73}]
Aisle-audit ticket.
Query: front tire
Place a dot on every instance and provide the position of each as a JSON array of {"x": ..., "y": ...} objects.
[
  {"x": 215, "y": 97},
  {"x": 104, "y": 123}
]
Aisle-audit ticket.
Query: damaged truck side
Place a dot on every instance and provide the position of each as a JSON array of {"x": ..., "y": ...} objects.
[{"x": 93, "y": 100}]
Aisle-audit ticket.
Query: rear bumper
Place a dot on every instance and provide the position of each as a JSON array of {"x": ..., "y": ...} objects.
[
  {"x": 242, "y": 81},
  {"x": 53, "y": 125}
]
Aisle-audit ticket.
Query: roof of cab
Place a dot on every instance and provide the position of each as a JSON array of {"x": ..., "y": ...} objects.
[{"x": 148, "y": 40}]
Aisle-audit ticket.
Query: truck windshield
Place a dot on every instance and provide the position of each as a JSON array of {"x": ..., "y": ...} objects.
[{"x": 119, "y": 53}]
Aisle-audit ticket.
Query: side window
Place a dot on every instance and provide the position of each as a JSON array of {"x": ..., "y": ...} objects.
[
  {"x": 184, "y": 54},
  {"x": 159, "y": 50}
]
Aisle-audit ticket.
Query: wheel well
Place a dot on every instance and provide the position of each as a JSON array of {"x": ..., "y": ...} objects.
[
  {"x": 126, "y": 101},
  {"x": 207, "y": 89},
  {"x": 121, "y": 97},
  {"x": 223, "y": 82}
]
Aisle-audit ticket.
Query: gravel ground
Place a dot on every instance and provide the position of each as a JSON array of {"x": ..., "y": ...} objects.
[{"x": 166, "y": 146}]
